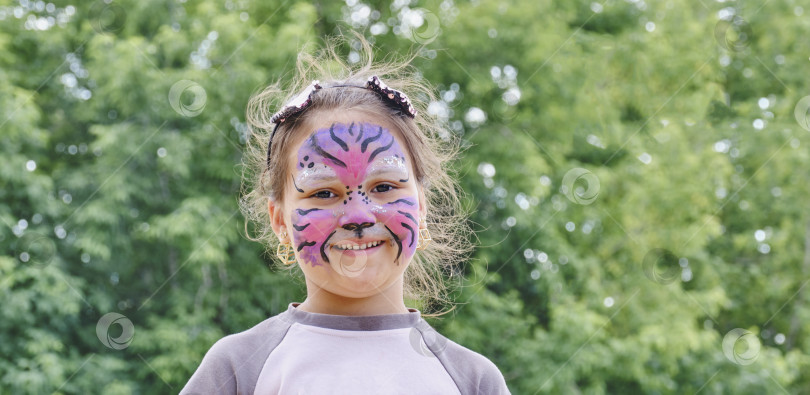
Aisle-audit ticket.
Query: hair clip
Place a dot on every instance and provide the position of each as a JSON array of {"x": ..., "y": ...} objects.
[
  {"x": 297, "y": 104},
  {"x": 394, "y": 96}
]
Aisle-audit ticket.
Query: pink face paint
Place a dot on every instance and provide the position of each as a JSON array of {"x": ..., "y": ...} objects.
[{"x": 336, "y": 166}]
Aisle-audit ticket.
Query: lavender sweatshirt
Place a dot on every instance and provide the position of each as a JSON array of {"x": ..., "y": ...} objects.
[{"x": 298, "y": 352}]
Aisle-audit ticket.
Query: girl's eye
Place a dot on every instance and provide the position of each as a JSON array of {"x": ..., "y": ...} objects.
[
  {"x": 323, "y": 194},
  {"x": 383, "y": 188}
]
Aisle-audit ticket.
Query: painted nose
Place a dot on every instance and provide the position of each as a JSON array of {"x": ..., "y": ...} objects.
[
  {"x": 358, "y": 227},
  {"x": 357, "y": 217}
]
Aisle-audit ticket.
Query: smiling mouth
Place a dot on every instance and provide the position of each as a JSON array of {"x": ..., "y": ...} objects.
[{"x": 356, "y": 247}]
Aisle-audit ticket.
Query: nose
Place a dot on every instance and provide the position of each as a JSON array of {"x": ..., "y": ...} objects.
[
  {"x": 358, "y": 227},
  {"x": 357, "y": 216}
]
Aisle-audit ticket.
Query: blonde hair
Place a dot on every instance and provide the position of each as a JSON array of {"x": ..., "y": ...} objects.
[{"x": 428, "y": 141}]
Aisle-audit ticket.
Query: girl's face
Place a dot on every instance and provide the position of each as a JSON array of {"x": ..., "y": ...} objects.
[{"x": 352, "y": 207}]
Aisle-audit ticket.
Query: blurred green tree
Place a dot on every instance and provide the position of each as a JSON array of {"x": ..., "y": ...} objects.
[{"x": 637, "y": 177}]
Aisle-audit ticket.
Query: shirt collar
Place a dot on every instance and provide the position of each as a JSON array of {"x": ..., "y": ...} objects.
[{"x": 354, "y": 323}]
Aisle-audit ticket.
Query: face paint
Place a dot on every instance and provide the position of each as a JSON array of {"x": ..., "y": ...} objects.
[{"x": 359, "y": 191}]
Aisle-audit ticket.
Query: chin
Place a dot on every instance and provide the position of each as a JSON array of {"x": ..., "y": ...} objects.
[
  {"x": 363, "y": 277},
  {"x": 358, "y": 292},
  {"x": 360, "y": 275}
]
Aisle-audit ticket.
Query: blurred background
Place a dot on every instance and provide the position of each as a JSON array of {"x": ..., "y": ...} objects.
[{"x": 638, "y": 173}]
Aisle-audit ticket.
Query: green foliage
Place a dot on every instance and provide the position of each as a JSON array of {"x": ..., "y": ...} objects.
[{"x": 121, "y": 196}]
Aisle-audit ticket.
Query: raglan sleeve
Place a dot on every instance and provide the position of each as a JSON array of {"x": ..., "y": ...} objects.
[
  {"x": 472, "y": 372},
  {"x": 233, "y": 364},
  {"x": 216, "y": 373},
  {"x": 491, "y": 380}
]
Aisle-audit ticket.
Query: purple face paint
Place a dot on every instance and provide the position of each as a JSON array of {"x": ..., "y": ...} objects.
[{"x": 358, "y": 191}]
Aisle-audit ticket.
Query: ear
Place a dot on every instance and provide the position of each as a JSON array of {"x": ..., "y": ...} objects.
[
  {"x": 277, "y": 221},
  {"x": 422, "y": 206}
]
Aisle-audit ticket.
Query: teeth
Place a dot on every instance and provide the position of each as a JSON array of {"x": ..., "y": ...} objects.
[{"x": 358, "y": 247}]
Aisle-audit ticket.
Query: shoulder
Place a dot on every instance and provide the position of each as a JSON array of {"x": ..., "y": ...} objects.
[
  {"x": 232, "y": 365},
  {"x": 245, "y": 347},
  {"x": 472, "y": 372},
  {"x": 244, "y": 344}
]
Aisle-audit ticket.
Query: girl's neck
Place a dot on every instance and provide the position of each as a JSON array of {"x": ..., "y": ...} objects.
[{"x": 321, "y": 301}]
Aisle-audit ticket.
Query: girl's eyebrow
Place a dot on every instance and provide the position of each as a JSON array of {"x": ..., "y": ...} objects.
[
  {"x": 386, "y": 170},
  {"x": 388, "y": 164},
  {"x": 316, "y": 174}
]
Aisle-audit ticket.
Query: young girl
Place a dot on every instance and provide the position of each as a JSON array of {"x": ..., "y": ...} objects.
[{"x": 350, "y": 180}]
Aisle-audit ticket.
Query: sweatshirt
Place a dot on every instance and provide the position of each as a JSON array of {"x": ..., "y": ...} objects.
[{"x": 299, "y": 352}]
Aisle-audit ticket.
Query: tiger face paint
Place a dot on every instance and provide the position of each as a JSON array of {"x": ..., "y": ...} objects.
[{"x": 354, "y": 198}]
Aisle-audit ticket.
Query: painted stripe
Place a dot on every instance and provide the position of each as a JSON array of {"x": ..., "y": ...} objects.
[
  {"x": 407, "y": 215},
  {"x": 323, "y": 246},
  {"x": 305, "y": 244},
  {"x": 413, "y": 235},
  {"x": 370, "y": 140},
  {"x": 305, "y": 212},
  {"x": 296, "y": 186},
  {"x": 381, "y": 149},
  {"x": 408, "y": 202},
  {"x": 399, "y": 242},
  {"x": 359, "y": 135},
  {"x": 321, "y": 152},
  {"x": 337, "y": 139}
]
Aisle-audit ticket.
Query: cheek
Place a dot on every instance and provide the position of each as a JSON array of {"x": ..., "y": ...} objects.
[
  {"x": 311, "y": 229},
  {"x": 403, "y": 220}
]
